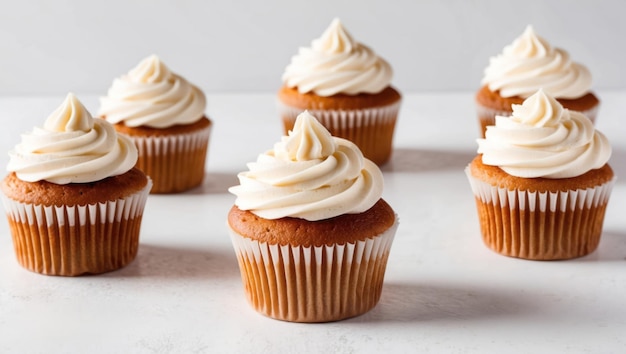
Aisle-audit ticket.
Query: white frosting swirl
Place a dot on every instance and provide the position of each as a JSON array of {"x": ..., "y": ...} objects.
[
  {"x": 542, "y": 139},
  {"x": 309, "y": 175},
  {"x": 72, "y": 147},
  {"x": 529, "y": 64},
  {"x": 335, "y": 64},
  {"x": 151, "y": 95}
]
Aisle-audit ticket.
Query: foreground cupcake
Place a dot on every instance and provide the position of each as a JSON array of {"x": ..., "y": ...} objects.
[
  {"x": 347, "y": 87},
  {"x": 164, "y": 116},
  {"x": 528, "y": 64},
  {"x": 73, "y": 199},
  {"x": 542, "y": 182},
  {"x": 311, "y": 232}
]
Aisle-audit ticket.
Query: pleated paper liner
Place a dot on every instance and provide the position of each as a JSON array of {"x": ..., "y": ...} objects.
[
  {"x": 540, "y": 225},
  {"x": 370, "y": 129},
  {"x": 78, "y": 239},
  {"x": 313, "y": 284},
  {"x": 487, "y": 116},
  {"x": 174, "y": 162}
]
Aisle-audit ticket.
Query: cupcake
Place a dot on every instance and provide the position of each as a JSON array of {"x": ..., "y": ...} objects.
[
  {"x": 163, "y": 114},
  {"x": 311, "y": 232},
  {"x": 541, "y": 182},
  {"x": 525, "y": 66},
  {"x": 347, "y": 87},
  {"x": 73, "y": 199}
]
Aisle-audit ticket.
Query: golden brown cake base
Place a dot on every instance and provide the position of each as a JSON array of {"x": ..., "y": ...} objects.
[
  {"x": 299, "y": 232},
  {"x": 313, "y": 276},
  {"x": 76, "y": 229},
  {"x": 291, "y": 97},
  {"x": 368, "y": 120},
  {"x": 173, "y": 157},
  {"x": 47, "y": 193},
  {"x": 491, "y": 104},
  {"x": 539, "y": 218}
]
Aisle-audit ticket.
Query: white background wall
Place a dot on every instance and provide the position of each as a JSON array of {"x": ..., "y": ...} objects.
[{"x": 52, "y": 47}]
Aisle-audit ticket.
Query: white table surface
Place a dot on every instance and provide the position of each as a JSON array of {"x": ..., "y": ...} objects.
[{"x": 444, "y": 291}]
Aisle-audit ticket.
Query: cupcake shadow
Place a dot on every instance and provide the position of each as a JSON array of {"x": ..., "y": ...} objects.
[
  {"x": 215, "y": 183},
  {"x": 612, "y": 248},
  {"x": 404, "y": 302},
  {"x": 180, "y": 263},
  {"x": 418, "y": 160}
]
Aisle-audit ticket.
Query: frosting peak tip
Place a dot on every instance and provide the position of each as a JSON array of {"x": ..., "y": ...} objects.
[
  {"x": 307, "y": 117},
  {"x": 152, "y": 58},
  {"x": 529, "y": 29},
  {"x": 71, "y": 115}
]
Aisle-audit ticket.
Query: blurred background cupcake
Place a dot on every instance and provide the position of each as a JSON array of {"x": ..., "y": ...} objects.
[
  {"x": 528, "y": 64},
  {"x": 164, "y": 116},
  {"x": 542, "y": 182},
  {"x": 73, "y": 199},
  {"x": 345, "y": 85},
  {"x": 310, "y": 229}
]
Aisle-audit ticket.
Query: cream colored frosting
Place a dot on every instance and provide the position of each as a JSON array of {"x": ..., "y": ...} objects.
[
  {"x": 543, "y": 139},
  {"x": 336, "y": 63},
  {"x": 529, "y": 64},
  {"x": 72, "y": 147},
  {"x": 309, "y": 175},
  {"x": 151, "y": 95}
]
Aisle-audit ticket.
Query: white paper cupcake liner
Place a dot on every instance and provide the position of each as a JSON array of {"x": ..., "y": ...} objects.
[
  {"x": 313, "y": 284},
  {"x": 77, "y": 239},
  {"x": 541, "y": 225},
  {"x": 371, "y": 129},
  {"x": 346, "y": 119},
  {"x": 174, "y": 162}
]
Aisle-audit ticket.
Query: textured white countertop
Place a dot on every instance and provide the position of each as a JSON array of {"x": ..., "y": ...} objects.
[{"x": 444, "y": 291}]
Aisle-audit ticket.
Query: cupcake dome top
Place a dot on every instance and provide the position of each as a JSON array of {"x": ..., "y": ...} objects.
[
  {"x": 310, "y": 175},
  {"x": 72, "y": 147},
  {"x": 542, "y": 139},
  {"x": 337, "y": 64}
]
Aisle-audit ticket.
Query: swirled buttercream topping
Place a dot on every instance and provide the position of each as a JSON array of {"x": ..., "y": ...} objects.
[
  {"x": 151, "y": 95},
  {"x": 72, "y": 147},
  {"x": 336, "y": 63},
  {"x": 310, "y": 175},
  {"x": 542, "y": 139},
  {"x": 529, "y": 64}
]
